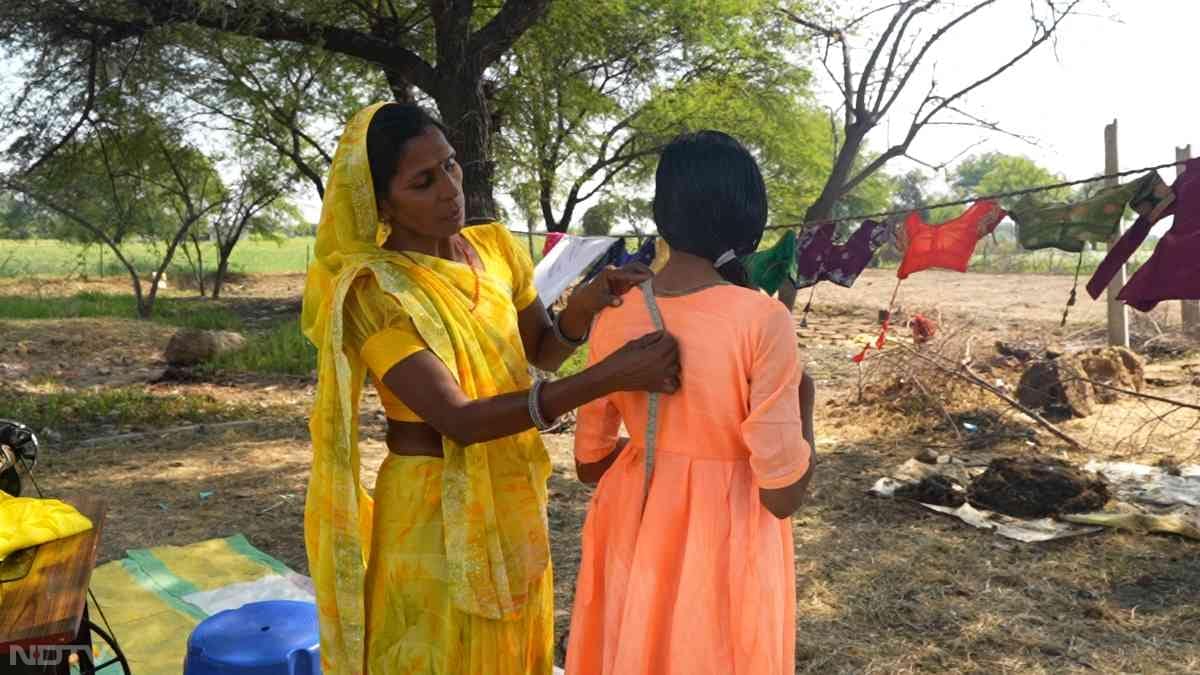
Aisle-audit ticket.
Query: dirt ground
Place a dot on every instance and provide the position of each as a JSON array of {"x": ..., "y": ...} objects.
[{"x": 884, "y": 587}]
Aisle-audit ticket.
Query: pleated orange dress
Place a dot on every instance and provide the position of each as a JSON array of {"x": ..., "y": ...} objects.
[{"x": 702, "y": 581}]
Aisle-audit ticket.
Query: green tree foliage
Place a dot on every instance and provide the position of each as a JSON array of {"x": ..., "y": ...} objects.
[
  {"x": 126, "y": 178},
  {"x": 997, "y": 173},
  {"x": 443, "y": 51},
  {"x": 594, "y": 91},
  {"x": 599, "y": 220}
]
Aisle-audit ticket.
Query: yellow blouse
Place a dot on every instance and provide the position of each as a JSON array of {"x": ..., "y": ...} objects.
[{"x": 381, "y": 332}]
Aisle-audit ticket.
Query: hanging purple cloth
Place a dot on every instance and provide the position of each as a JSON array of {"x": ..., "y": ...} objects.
[
  {"x": 1151, "y": 204},
  {"x": 819, "y": 259},
  {"x": 1173, "y": 270}
]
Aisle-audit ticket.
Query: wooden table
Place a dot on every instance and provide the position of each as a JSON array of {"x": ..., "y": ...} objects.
[{"x": 48, "y": 606}]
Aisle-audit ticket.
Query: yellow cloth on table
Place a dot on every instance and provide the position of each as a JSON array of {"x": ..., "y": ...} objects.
[
  {"x": 28, "y": 521},
  {"x": 484, "y": 552}
]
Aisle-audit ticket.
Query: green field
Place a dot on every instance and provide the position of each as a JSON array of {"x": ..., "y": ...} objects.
[
  {"x": 58, "y": 258},
  {"x": 47, "y": 257}
]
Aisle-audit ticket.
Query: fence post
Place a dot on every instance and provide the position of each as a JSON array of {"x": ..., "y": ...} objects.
[
  {"x": 1190, "y": 308},
  {"x": 1118, "y": 315}
]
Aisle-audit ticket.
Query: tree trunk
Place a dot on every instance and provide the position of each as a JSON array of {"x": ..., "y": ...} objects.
[
  {"x": 465, "y": 114},
  {"x": 546, "y": 201},
  {"x": 222, "y": 269},
  {"x": 835, "y": 187}
]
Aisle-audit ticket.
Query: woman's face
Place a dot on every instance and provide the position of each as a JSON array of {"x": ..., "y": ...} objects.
[{"x": 425, "y": 197}]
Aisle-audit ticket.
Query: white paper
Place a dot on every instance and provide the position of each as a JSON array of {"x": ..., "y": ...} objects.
[{"x": 565, "y": 263}]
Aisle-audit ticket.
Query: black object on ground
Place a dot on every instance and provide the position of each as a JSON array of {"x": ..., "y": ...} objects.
[
  {"x": 937, "y": 489},
  {"x": 1036, "y": 487}
]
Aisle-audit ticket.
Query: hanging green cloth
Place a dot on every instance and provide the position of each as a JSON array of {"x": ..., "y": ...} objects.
[
  {"x": 1069, "y": 227},
  {"x": 770, "y": 267}
]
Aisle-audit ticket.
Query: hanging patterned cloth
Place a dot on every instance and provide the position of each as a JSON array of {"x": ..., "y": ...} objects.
[
  {"x": 819, "y": 259},
  {"x": 1070, "y": 227},
  {"x": 1152, "y": 203}
]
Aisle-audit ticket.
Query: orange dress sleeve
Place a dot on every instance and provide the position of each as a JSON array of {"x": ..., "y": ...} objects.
[
  {"x": 774, "y": 429},
  {"x": 597, "y": 423}
]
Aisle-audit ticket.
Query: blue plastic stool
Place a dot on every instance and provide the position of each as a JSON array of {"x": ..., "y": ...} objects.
[{"x": 279, "y": 637}]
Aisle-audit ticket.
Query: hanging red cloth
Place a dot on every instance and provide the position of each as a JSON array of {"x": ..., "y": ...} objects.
[
  {"x": 948, "y": 245},
  {"x": 552, "y": 239}
]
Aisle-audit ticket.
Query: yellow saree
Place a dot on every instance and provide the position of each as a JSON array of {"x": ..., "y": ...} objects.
[{"x": 471, "y": 595}]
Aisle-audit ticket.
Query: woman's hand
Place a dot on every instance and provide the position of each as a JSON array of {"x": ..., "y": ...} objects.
[
  {"x": 606, "y": 288},
  {"x": 649, "y": 363}
]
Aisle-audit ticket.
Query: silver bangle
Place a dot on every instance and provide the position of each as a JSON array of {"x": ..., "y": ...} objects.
[
  {"x": 535, "y": 407},
  {"x": 562, "y": 337}
]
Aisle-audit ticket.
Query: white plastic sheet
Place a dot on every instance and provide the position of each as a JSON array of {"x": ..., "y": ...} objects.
[
  {"x": 565, "y": 263},
  {"x": 270, "y": 587}
]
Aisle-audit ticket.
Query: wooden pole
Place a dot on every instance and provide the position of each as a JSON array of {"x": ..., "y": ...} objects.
[
  {"x": 1118, "y": 315},
  {"x": 1191, "y": 308}
]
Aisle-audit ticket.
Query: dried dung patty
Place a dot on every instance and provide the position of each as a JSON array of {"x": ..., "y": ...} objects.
[{"x": 1036, "y": 487}]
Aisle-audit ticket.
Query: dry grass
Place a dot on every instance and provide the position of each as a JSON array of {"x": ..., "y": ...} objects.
[{"x": 884, "y": 587}]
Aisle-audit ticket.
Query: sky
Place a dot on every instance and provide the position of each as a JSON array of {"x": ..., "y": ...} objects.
[{"x": 1126, "y": 63}]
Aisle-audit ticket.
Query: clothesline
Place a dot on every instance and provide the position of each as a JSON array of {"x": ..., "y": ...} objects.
[
  {"x": 959, "y": 202},
  {"x": 972, "y": 200}
]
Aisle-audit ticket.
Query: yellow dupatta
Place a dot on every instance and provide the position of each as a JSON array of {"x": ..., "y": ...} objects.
[{"x": 493, "y": 494}]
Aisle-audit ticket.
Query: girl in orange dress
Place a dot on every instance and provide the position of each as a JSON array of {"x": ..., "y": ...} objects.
[{"x": 696, "y": 573}]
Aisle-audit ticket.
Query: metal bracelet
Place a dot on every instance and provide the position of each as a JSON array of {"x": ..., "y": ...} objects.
[
  {"x": 562, "y": 337},
  {"x": 535, "y": 407}
]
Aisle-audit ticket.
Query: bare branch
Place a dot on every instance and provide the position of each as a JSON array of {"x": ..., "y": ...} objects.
[
  {"x": 815, "y": 27},
  {"x": 860, "y": 104},
  {"x": 1037, "y": 42},
  {"x": 889, "y": 70},
  {"x": 937, "y": 35}
]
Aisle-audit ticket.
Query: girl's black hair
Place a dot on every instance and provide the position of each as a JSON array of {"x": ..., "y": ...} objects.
[
  {"x": 391, "y": 127},
  {"x": 709, "y": 198}
]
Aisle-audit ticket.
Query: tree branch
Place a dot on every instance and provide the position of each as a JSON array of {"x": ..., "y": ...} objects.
[
  {"x": 889, "y": 70},
  {"x": 860, "y": 103},
  {"x": 261, "y": 20},
  {"x": 88, "y": 103},
  {"x": 502, "y": 32},
  {"x": 937, "y": 35}
]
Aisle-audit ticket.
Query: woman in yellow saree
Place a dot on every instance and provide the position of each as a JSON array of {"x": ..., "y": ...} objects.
[{"x": 447, "y": 569}]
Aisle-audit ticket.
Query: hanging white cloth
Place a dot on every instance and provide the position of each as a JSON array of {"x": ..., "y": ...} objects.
[{"x": 565, "y": 263}]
